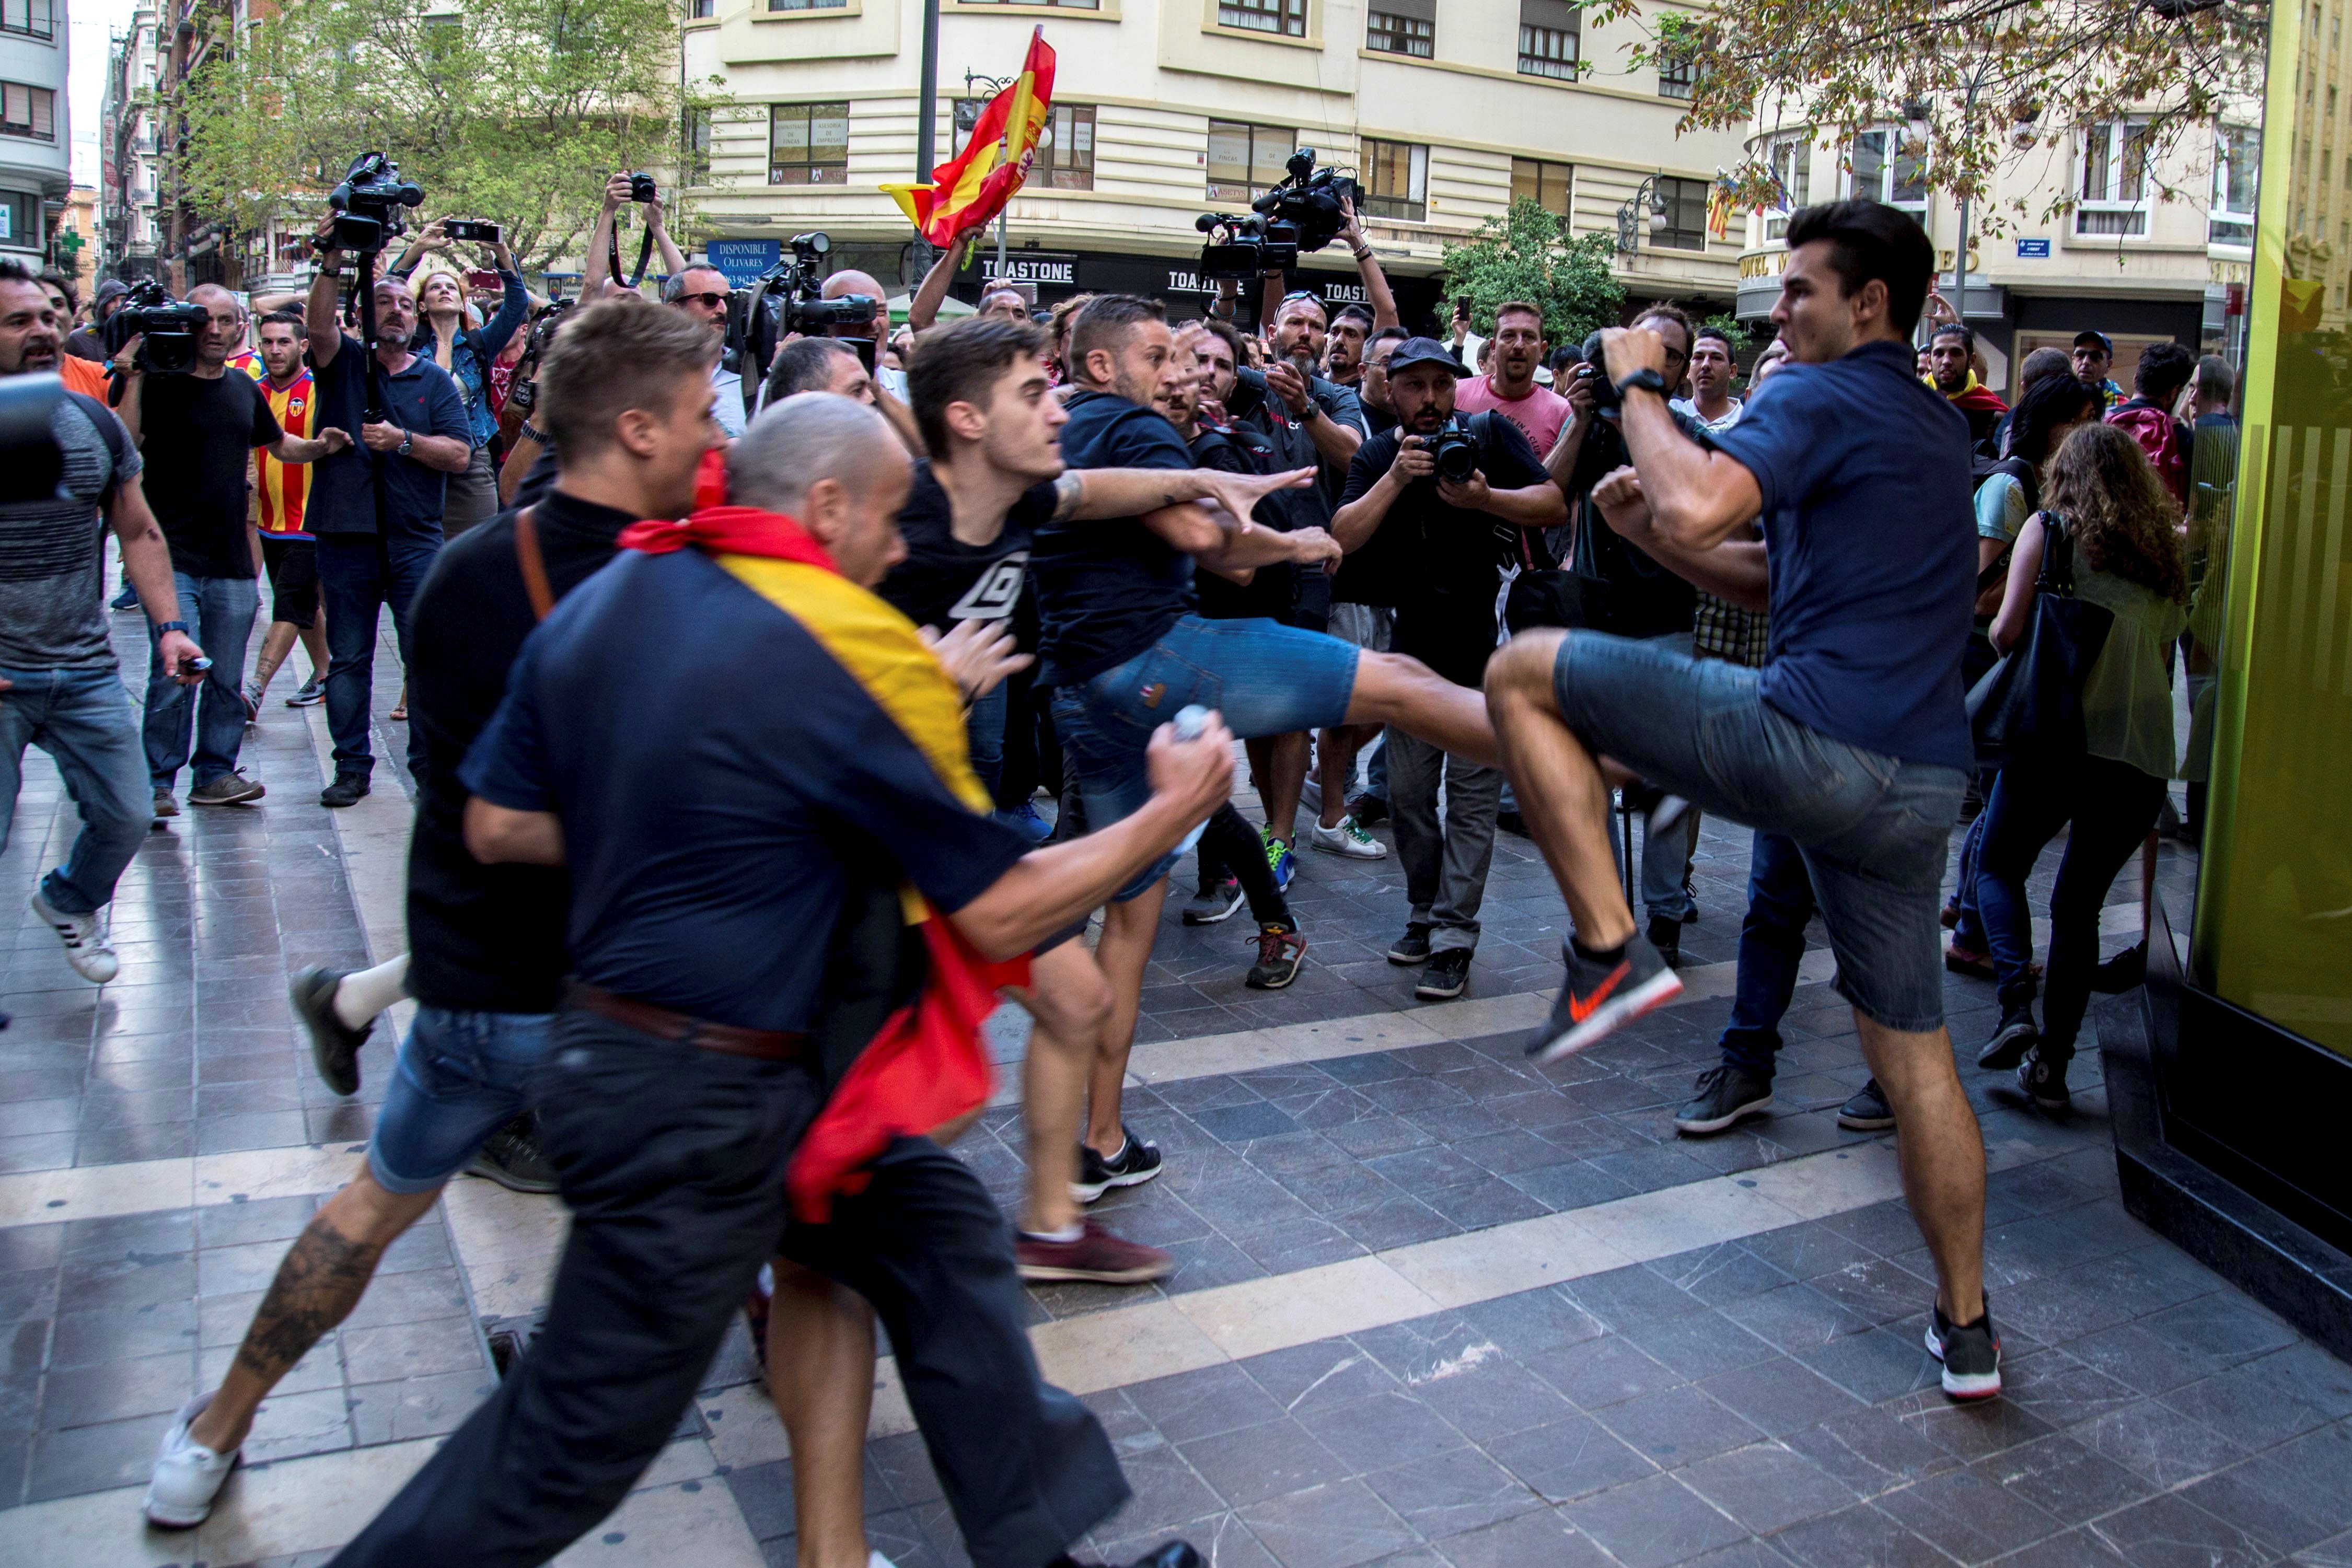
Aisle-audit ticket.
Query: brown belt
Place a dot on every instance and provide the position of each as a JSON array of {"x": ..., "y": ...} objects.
[{"x": 729, "y": 1039}]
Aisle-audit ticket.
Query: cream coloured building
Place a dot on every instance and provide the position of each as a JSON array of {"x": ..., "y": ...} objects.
[{"x": 1167, "y": 108}]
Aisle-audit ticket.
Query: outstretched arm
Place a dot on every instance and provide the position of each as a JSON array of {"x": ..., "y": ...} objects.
[{"x": 1698, "y": 498}]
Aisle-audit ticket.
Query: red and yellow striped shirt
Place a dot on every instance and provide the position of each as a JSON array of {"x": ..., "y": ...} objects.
[{"x": 281, "y": 489}]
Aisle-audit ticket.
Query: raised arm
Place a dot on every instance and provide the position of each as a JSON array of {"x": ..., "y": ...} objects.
[
  {"x": 1698, "y": 498},
  {"x": 1368, "y": 267},
  {"x": 1097, "y": 493},
  {"x": 319, "y": 312},
  {"x": 923, "y": 309},
  {"x": 672, "y": 259},
  {"x": 598, "y": 269}
]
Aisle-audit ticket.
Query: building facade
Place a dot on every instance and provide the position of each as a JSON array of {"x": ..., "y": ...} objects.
[
  {"x": 36, "y": 147},
  {"x": 129, "y": 234},
  {"x": 1165, "y": 109}
]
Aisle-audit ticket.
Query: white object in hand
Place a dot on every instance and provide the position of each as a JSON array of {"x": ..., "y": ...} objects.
[{"x": 1191, "y": 722}]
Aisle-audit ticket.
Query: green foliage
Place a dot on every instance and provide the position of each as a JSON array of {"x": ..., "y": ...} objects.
[
  {"x": 1730, "y": 326},
  {"x": 1528, "y": 253},
  {"x": 514, "y": 110}
]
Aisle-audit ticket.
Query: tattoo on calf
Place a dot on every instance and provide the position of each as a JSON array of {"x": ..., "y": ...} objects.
[{"x": 317, "y": 1286}]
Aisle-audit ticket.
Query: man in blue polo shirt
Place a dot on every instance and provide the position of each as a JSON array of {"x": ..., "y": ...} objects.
[
  {"x": 376, "y": 507},
  {"x": 1851, "y": 740}
]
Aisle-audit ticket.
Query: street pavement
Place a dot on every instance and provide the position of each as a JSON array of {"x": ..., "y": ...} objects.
[{"x": 1434, "y": 1306}]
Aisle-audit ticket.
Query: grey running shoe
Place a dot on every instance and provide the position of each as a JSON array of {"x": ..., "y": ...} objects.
[
  {"x": 1213, "y": 903},
  {"x": 513, "y": 1158},
  {"x": 1971, "y": 1353},
  {"x": 228, "y": 789},
  {"x": 1597, "y": 996},
  {"x": 1726, "y": 1095},
  {"x": 312, "y": 693}
]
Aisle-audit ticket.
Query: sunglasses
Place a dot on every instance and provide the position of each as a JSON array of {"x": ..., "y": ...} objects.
[{"x": 708, "y": 301}]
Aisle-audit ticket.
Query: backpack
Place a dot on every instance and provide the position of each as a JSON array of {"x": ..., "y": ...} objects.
[{"x": 2158, "y": 434}]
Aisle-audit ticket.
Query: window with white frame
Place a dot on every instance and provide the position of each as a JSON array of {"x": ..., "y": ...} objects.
[
  {"x": 2111, "y": 180},
  {"x": 1064, "y": 157},
  {"x": 2237, "y": 159},
  {"x": 1396, "y": 180},
  {"x": 1548, "y": 36},
  {"x": 1285, "y": 18},
  {"x": 1790, "y": 158},
  {"x": 1246, "y": 161},
  {"x": 1402, "y": 28},
  {"x": 1884, "y": 169}
]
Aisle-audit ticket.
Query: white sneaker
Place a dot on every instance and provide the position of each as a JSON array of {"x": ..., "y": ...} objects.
[
  {"x": 88, "y": 948},
  {"x": 1348, "y": 839},
  {"x": 1310, "y": 795},
  {"x": 876, "y": 1559},
  {"x": 187, "y": 1476}
]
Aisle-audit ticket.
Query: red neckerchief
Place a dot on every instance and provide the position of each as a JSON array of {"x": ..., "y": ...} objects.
[{"x": 729, "y": 531}]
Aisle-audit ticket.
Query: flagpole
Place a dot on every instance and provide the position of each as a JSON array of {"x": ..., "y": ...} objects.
[{"x": 926, "y": 117}]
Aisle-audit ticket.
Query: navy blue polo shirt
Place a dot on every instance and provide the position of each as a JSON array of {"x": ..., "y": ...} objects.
[
  {"x": 1108, "y": 591},
  {"x": 709, "y": 842},
  {"x": 1872, "y": 546},
  {"x": 424, "y": 399}
]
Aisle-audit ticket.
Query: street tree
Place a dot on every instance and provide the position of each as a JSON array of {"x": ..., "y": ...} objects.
[
  {"x": 1528, "y": 253},
  {"x": 508, "y": 111}
]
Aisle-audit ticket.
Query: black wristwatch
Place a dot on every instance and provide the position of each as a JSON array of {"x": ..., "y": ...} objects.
[
  {"x": 163, "y": 626},
  {"x": 1646, "y": 380}
]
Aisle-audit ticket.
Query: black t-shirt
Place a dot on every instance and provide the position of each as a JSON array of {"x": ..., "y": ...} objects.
[
  {"x": 1644, "y": 599},
  {"x": 484, "y": 938},
  {"x": 944, "y": 581},
  {"x": 1107, "y": 591},
  {"x": 195, "y": 433},
  {"x": 1270, "y": 590},
  {"x": 1449, "y": 560}
]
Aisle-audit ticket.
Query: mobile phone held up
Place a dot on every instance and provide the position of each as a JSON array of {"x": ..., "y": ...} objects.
[{"x": 465, "y": 229}]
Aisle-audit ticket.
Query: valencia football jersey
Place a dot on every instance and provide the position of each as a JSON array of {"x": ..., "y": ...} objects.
[{"x": 281, "y": 489}]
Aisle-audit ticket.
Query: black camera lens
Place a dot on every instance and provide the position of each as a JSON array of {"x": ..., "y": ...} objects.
[{"x": 1454, "y": 452}]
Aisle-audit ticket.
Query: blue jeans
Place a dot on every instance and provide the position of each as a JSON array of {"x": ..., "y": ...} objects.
[
  {"x": 219, "y": 612},
  {"x": 1771, "y": 945},
  {"x": 1872, "y": 829},
  {"x": 358, "y": 573},
  {"x": 1969, "y": 930},
  {"x": 983, "y": 731},
  {"x": 84, "y": 720},
  {"x": 462, "y": 1076}
]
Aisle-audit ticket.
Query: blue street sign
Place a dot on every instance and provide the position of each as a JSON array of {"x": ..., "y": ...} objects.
[
  {"x": 743, "y": 260},
  {"x": 2034, "y": 250}
]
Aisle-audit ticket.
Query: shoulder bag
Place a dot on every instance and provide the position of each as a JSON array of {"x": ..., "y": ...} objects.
[{"x": 2030, "y": 704}]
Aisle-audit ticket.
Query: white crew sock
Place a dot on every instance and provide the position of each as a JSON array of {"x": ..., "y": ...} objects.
[
  {"x": 364, "y": 993},
  {"x": 1070, "y": 1232}
]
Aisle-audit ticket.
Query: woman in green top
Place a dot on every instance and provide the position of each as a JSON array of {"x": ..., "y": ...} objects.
[{"x": 2101, "y": 493}]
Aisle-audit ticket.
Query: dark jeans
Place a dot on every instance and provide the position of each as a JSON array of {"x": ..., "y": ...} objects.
[
  {"x": 358, "y": 573},
  {"x": 1969, "y": 932},
  {"x": 2111, "y": 805},
  {"x": 1231, "y": 847},
  {"x": 84, "y": 720},
  {"x": 672, "y": 1162},
  {"x": 1771, "y": 945},
  {"x": 983, "y": 730},
  {"x": 219, "y": 612},
  {"x": 1025, "y": 1467}
]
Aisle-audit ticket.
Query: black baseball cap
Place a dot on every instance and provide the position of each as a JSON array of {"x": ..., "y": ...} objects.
[
  {"x": 2090, "y": 339},
  {"x": 1425, "y": 351}
]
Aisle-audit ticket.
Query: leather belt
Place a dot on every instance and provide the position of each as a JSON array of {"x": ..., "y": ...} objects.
[{"x": 680, "y": 1029}]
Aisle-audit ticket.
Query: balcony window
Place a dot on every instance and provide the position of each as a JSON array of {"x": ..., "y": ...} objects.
[
  {"x": 1396, "y": 180},
  {"x": 2111, "y": 182},
  {"x": 808, "y": 144},
  {"x": 1886, "y": 171},
  {"x": 1549, "y": 32},
  {"x": 1245, "y": 161},
  {"x": 1402, "y": 28},
  {"x": 28, "y": 111},
  {"x": 1287, "y": 18},
  {"x": 30, "y": 18},
  {"x": 2237, "y": 161},
  {"x": 1549, "y": 186},
  {"x": 1685, "y": 222},
  {"x": 1790, "y": 158}
]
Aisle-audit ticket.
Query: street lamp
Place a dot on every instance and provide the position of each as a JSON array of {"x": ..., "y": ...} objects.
[{"x": 1646, "y": 193}]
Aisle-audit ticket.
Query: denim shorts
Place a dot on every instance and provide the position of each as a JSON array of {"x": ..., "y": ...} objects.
[
  {"x": 1262, "y": 677},
  {"x": 1873, "y": 829},
  {"x": 462, "y": 1076}
]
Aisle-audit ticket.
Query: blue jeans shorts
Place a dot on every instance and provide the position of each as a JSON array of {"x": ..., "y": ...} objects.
[
  {"x": 462, "y": 1076},
  {"x": 1262, "y": 677},
  {"x": 1873, "y": 829}
]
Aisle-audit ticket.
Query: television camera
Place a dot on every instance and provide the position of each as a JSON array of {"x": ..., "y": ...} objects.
[{"x": 168, "y": 330}]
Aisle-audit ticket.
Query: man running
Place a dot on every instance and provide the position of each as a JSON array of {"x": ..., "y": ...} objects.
[{"x": 1851, "y": 740}]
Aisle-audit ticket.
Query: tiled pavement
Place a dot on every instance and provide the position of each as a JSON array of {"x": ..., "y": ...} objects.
[{"x": 1761, "y": 1400}]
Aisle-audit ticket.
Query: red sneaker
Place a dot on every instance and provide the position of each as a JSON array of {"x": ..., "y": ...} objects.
[{"x": 1096, "y": 1257}]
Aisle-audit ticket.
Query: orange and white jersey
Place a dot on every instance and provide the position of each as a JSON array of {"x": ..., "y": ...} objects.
[{"x": 280, "y": 489}]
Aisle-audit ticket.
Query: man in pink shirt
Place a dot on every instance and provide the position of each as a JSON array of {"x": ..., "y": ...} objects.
[{"x": 1510, "y": 384}]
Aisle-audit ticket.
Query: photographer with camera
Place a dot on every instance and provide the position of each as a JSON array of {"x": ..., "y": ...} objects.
[
  {"x": 195, "y": 428},
  {"x": 464, "y": 352},
  {"x": 376, "y": 507},
  {"x": 1464, "y": 497},
  {"x": 604, "y": 254},
  {"x": 59, "y": 686}
]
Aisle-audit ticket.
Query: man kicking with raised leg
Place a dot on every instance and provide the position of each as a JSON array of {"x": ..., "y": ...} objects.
[{"x": 1851, "y": 740}]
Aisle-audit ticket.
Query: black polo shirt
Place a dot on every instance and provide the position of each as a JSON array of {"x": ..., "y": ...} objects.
[{"x": 421, "y": 398}]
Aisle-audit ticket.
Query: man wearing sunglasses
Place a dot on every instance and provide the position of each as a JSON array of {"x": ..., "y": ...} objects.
[{"x": 701, "y": 292}]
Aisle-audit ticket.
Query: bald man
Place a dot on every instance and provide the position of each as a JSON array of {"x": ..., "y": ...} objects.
[
  {"x": 194, "y": 431},
  {"x": 375, "y": 506},
  {"x": 889, "y": 385}
]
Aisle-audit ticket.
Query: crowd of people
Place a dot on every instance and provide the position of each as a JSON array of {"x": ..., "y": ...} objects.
[{"x": 712, "y": 969}]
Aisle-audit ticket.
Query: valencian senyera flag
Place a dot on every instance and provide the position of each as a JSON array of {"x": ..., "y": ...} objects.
[{"x": 973, "y": 186}]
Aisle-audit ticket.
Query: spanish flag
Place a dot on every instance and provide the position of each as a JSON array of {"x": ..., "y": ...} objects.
[{"x": 973, "y": 186}]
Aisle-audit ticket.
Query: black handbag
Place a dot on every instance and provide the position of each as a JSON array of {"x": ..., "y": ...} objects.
[
  {"x": 2030, "y": 704},
  {"x": 1573, "y": 595}
]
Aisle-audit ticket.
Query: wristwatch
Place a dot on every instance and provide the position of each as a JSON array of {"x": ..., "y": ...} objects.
[
  {"x": 179, "y": 626},
  {"x": 408, "y": 437},
  {"x": 1646, "y": 380}
]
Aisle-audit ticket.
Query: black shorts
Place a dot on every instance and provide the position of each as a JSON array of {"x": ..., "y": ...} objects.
[{"x": 293, "y": 568}]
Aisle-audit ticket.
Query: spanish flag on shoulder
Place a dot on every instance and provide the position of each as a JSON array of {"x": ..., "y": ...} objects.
[{"x": 973, "y": 186}]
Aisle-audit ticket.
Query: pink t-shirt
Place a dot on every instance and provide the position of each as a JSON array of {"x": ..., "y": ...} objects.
[{"x": 1540, "y": 415}]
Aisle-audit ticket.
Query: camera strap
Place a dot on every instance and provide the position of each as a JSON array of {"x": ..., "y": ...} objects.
[{"x": 645, "y": 255}]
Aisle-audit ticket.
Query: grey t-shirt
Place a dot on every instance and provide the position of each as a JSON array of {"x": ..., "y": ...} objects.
[{"x": 52, "y": 554}]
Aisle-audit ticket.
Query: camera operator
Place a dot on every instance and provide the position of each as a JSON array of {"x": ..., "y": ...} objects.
[
  {"x": 195, "y": 430},
  {"x": 1368, "y": 268},
  {"x": 376, "y": 507},
  {"x": 60, "y": 687},
  {"x": 1458, "y": 535},
  {"x": 87, "y": 341},
  {"x": 466, "y": 353},
  {"x": 889, "y": 386}
]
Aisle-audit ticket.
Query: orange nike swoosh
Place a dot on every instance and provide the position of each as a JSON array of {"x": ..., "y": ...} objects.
[{"x": 1579, "y": 1010}]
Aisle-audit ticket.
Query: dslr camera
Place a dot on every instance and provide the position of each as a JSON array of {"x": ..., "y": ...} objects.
[
  {"x": 1252, "y": 246},
  {"x": 642, "y": 188},
  {"x": 1307, "y": 201},
  {"x": 1594, "y": 373},
  {"x": 168, "y": 330},
  {"x": 367, "y": 203},
  {"x": 1454, "y": 450}
]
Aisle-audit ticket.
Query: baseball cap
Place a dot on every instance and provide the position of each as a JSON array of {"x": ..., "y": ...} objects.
[
  {"x": 1425, "y": 351},
  {"x": 2098, "y": 340}
]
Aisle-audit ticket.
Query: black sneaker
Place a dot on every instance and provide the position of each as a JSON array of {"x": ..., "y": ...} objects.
[
  {"x": 335, "y": 1045},
  {"x": 1512, "y": 822},
  {"x": 1666, "y": 936},
  {"x": 1279, "y": 950},
  {"x": 1726, "y": 1095},
  {"x": 2045, "y": 1084},
  {"x": 2126, "y": 971},
  {"x": 2010, "y": 1040},
  {"x": 1690, "y": 895},
  {"x": 1598, "y": 994},
  {"x": 1368, "y": 810},
  {"x": 1136, "y": 1163},
  {"x": 513, "y": 1158},
  {"x": 1867, "y": 1111},
  {"x": 1447, "y": 973},
  {"x": 1213, "y": 903},
  {"x": 346, "y": 790},
  {"x": 1971, "y": 1353},
  {"x": 1412, "y": 947}
]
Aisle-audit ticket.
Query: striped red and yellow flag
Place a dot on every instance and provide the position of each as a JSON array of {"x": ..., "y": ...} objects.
[{"x": 973, "y": 186}]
